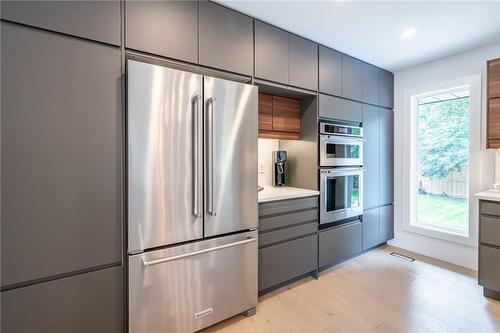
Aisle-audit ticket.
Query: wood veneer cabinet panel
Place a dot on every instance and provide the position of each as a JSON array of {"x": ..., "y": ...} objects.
[
  {"x": 286, "y": 114},
  {"x": 494, "y": 78},
  {"x": 494, "y": 123},
  {"x": 265, "y": 112}
]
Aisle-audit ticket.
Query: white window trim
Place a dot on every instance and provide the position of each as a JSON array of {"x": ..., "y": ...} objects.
[{"x": 473, "y": 82}]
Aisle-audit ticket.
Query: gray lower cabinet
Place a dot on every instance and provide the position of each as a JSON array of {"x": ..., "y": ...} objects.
[
  {"x": 96, "y": 20},
  {"x": 226, "y": 39},
  {"x": 90, "y": 302},
  {"x": 386, "y": 156},
  {"x": 339, "y": 243},
  {"x": 371, "y": 228},
  {"x": 339, "y": 108},
  {"x": 371, "y": 91},
  {"x": 386, "y": 218},
  {"x": 330, "y": 71},
  {"x": 386, "y": 86},
  {"x": 489, "y": 267},
  {"x": 489, "y": 247},
  {"x": 371, "y": 156},
  {"x": 61, "y": 135},
  {"x": 303, "y": 63},
  {"x": 165, "y": 28},
  {"x": 271, "y": 53},
  {"x": 352, "y": 78}
]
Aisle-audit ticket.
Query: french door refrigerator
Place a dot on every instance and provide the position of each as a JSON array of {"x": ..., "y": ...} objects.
[{"x": 192, "y": 199}]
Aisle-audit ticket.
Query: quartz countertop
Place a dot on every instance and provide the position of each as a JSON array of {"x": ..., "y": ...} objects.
[
  {"x": 270, "y": 193},
  {"x": 488, "y": 195}
]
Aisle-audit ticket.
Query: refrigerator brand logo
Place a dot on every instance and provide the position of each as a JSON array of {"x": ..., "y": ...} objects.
[{"x": 203, "y": 313}]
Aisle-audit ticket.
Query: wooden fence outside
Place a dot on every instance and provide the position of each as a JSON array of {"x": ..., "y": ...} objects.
[{"x": 454, "y": 186}]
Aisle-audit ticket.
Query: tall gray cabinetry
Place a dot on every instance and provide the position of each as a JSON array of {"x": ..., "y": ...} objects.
[{"x": 61, "y": 172}]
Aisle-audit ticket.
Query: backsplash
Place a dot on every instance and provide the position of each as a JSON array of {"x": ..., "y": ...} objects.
[{"x": 265, "y": 160}]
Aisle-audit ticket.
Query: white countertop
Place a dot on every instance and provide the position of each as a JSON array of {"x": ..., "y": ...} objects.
[
  {"x": 270, "y": 193},
  {"x": 488, "y": 195}
]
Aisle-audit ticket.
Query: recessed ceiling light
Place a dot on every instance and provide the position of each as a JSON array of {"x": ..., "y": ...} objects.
[{"x": 408, "y": 33}]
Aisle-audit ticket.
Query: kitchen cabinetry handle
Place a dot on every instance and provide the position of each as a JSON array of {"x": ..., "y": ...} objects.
[
  {"x": 196, "y": 153},
  {"x": 211, "y": 152},
  {"x": 194, "y": 253}
]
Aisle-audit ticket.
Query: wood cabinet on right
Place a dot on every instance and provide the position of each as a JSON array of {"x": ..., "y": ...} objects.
[{"x": 493, "y": 104}]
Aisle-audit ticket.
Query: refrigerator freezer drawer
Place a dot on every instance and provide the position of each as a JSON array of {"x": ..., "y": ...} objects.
[{"x": 189, "y": 287}]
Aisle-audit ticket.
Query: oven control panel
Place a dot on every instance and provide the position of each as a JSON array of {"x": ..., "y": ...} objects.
[{"x": 341, "y": 129}]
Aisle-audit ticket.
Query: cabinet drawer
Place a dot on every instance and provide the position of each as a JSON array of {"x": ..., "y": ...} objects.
[
  {"x": 268, "y": 238},
  {"x": 281, "y": 221},
  {"x": 489, "y": 208},
  {"x": 489, "y": 267},
  {"x": 285, "y": 261},
  {"x": 90, "y": 302},
  {"x": 285, "y": 206},
  {"x": 339, "y": 243},
  {"x": 490, "y": 230}
]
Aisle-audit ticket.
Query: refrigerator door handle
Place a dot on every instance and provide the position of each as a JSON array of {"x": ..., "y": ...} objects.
[
  {"x": 195, "y": 105},
  {"x": 211, "y": 152},
  {"x": 190, "y": 254}
]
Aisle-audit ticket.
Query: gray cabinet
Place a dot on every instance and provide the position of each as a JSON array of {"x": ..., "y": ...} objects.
[
  {"x": 61, "y": 157},
  {"x": 339, "y": 243},
  {"x": 371, "y": 228},
  {"x": 386, "y": 83},
  {"x": 352, "y": 78},
  {"x": 386, "y": 156},
  {"x": 90, "y": 302},
  {"x": 489, "y": 247},
  {"x": 371, "y": 91},
  {"x": 386, "y": 223},
  {"x": 371, "y": 156},
  {"x": 96, "y": 20},
  {"x": 303, "y": 63},
  {"x": 165, "y": 28},
  {"x": 271, "y": 53},
  {"x": 339, "y": 108},
  {"x": 489, "y": 271},
  {"x": 330, "y": 71},
  {"x": 226, "y": 39}
]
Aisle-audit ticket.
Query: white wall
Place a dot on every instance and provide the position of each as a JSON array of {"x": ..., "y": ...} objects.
[
  {"x": 449, "y": 68},
  {"x": 265, "y": 155}
]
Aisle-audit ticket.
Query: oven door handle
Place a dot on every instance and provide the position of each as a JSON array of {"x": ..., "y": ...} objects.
[{"x": 342, "y": 170}]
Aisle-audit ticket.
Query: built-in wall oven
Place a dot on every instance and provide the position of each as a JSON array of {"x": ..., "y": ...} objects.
[{"x": 341, "y": 173}]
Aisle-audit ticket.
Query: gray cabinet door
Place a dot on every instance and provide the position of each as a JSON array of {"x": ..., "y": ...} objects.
[
  {"x": 371, "y": 228},
  {"x": 226, "y": 39},
  {"x": 339, "y": 108},
  {"x": 386, "y": 82},
  {"x": 96, "y": 20},
  {"x": 371, "y": 156},
  {"x": 489, "y": 267},
  {"x": 166, "y": 28},
  {"x": 90, "y": 302},
  {"x": 386, "y": 156},
  {"x": 352, "y": 78},
  {"x": 303, "y": 63},
  {"x": 386, "y": 223},
  {"x": 339, "y": 243},
  {"x": 330, "y": 71},
  {"x": 271, "y": 53},
  {"x": 61, "y": 154},
  {"x": 371, "y": 91}
]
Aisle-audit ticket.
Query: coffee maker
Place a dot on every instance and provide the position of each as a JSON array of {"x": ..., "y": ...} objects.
[{"x": 279, "y": 168}]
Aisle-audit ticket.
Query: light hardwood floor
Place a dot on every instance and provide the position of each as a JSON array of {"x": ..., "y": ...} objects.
[{"x": 376, "y": 292}]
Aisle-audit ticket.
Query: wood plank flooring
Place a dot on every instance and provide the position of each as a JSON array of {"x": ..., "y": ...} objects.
[{"x": 376, "y": 292}]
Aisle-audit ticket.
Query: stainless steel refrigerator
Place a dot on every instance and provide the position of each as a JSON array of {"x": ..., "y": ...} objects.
[{"x": 192, "y": 199}]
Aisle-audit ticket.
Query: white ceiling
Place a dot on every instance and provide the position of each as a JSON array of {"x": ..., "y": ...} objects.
[{"x": 371, "y": 30}]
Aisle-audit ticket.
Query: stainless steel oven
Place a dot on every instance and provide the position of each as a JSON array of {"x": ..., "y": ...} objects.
[
  {"x": 341, "y": 194},
  {"x": 340, "y": 145}
]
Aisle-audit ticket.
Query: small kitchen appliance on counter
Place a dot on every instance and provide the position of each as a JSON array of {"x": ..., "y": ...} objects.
[{"x": 279, "y": 168}]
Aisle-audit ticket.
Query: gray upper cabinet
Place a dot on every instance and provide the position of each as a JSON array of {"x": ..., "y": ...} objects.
[
  {"x": 226, "y": 39},
  {"x": 371, "y": 159},
  {"x": 61, "y": 154},
  {"x": 165, "y": 28},
  {"x": 303, "y": 63},
  {"x": 96, "y": 20},
  {"x": 386, "y": 82},
  {"x": 352, "y": 78},
  {"x": 386, "y": 156},
  {"x": 90, "y": 302},
  {"x": 339, "y": 108},
  {"x": 271, "y": 53},
  {"x": 371, "y": 93},
  {"x": 330, "y": 71}
]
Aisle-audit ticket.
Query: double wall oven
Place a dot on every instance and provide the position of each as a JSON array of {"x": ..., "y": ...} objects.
[{"x": 341, "y": 173}]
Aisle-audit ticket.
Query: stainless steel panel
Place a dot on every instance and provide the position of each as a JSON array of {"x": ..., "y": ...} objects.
[
  {"x": 189, "y": 287},
  {"x": 164, "y": 156},
  {"x": 231, "y": 156},
  {"x": 326, "y": 159}
]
